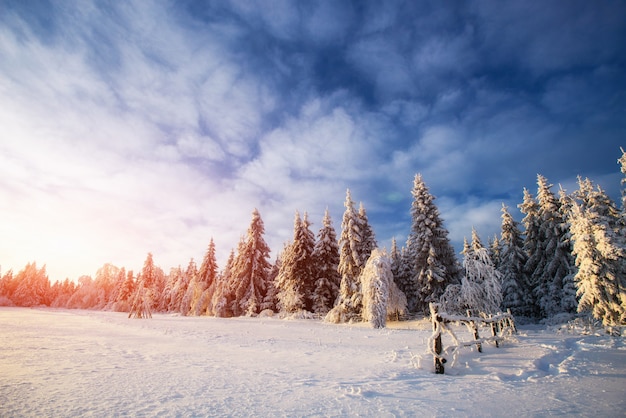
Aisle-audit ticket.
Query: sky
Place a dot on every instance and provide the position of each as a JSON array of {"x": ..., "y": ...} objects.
[{"x": 156, "y": 126}]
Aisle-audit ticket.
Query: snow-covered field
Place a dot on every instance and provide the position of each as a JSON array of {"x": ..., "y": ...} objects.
[{"x": 88, "y": 363}]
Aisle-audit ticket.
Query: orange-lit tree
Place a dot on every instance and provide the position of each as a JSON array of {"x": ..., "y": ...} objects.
[
  {"x": 33, "y": 286},
  {"x": 249, "y": 276},
  {"x": 296, "y": 275}
]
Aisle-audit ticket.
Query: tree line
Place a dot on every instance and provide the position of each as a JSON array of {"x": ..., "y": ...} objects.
[{"x": 567, "y": 255}]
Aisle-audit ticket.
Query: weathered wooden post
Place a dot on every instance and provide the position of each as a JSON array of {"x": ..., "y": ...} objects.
[
  {"x": 511, "y": 321},
  {"x": 479, "y": 346},
  {"x": 494, "y": 332},
  {"x": 437, "y": 346}
]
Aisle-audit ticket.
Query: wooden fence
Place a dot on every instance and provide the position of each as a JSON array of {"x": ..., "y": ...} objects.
[{"x": 501, "y": 325}]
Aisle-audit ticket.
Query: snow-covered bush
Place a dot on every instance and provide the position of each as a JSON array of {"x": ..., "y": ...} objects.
[
  {"x": 480, "y": 289},
  {"x": 375, "y": 282}
]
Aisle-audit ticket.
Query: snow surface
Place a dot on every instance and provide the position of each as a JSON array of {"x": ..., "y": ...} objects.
[{"x": 94, "y": 363}]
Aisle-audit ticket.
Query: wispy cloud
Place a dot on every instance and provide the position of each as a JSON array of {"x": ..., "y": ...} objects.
[{"x": 154, "y": 126}]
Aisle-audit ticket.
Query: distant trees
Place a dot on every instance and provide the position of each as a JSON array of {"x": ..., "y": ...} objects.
[
  {"x": 567, "y": 254},
  {"x": 32, "y": 287},
  {"x": 8, "y": 284}
]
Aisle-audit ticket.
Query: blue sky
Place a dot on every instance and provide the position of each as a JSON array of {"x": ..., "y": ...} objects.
[{"x": 130, "y": 127}]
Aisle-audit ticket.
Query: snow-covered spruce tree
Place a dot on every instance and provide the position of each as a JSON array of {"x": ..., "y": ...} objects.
[
  {"x": 123, "y": 299},
  {"x": 309, "y": 273},
  {"x": 270, "y": 302},
  {"x": 155, "y": 281},
  {"x": 105, "y": 281},
  {"x": 368, "y": 238},
  {"x": 601, "y": 276},
  {"x": 205, "y": 283},
  {"x": 376, "y": 280},
  {"x": 223, "y": 295},
  {"x": 85, "y": 296},
  {"x": 120, "y": 279},
  {"x": 432, "y": 257},
  {"x": 326, "y": 259},
  {"x": 61, "y": 293},
  {"x": 512, "y": 261},
  {"x": 166, "y": 297},
  {"x": 33, "y": 286},
  {"x": 596, "y": 199},
  {"x": 176, "y": 277},
  {"x": 480, "y": 290},
  {"x": 404, "y": 278},
  {"x": 146, "y": 296},
  {"x": 251, "y": 269},
  {"x": 554, "y": 260},
  {"x": 8, "y": 284},
  {"x": 191, "y": 289},
  {"x": 567, "y": 291},
  {"x": 295, "y": 271},
  {"x": 532, "y": 248},
  {"x": 395, "y": 258},
  {"x": 495, "y": 250},
  {"x": 348, "y": 307},
  {"x": 396, "y": 302}
]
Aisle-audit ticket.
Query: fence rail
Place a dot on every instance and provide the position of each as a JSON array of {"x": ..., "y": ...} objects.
[{"x": 501, "y": 325}]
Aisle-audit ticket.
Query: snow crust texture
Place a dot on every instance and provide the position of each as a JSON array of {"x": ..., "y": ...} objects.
[{"x": 93, "y": 363}]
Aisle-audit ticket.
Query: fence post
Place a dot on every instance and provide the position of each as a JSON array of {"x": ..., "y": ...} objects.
[
  {"x": 511, "y": 321},
  {"x": 437, "y": 346},
  {"x": 494, "y": 333},
  {"x": 479, "y": 346}
]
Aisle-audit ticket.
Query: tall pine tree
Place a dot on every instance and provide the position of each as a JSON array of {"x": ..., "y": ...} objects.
[
  {"x": 532, "y": 248},
  {"x": 396, "y": 259},
  {"x": 433, "y": 262},
  {"x": 350, "y": 266},
  {"x": 555, "y": 264},
  {"x": 326, "y": 257},
  {"x": 601, "y": 276},
  {"x": 511, "y": 266},
  {"x": 223, "y": 296},
  {"x": 569, "y": 302},
  {"x": 190, "y": 286},
  {"x": 206, "y": 282},
  {"x": 403, "y": 277},
  {"x": 251, "y": 269},
  {"x": 368, "y": 238},
  {"x": 145, "y": 297},
  {"x": 296, "y": 274}
]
